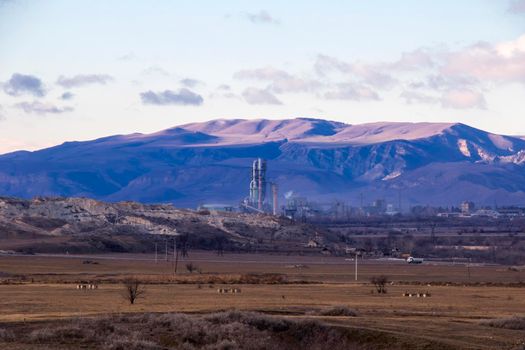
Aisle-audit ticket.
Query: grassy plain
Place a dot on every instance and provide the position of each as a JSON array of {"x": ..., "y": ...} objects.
[{"x": 43, "y": 288}]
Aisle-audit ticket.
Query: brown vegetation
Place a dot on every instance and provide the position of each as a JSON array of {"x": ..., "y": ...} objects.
[
  {"x": 224, "y": 330},
  {"x": 338, "y": 310},
  {"x": 6, "y": 335},
  {"x": 515, "y": 322},
  {"x": 43, "y": 289}
]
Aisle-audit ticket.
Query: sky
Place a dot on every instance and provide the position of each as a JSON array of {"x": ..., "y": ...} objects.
[{"x": 79, "y": 70}]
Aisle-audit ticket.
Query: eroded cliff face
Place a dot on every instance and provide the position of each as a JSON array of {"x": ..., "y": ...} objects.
[{"x": 83, "y": 217}]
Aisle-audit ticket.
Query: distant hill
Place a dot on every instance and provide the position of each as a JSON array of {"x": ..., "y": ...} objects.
[
  {"x": 81, "y": 225},
  {"x": 424, "y": 163}
]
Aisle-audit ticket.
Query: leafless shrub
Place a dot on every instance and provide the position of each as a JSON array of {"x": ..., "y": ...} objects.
[
  {"x": 130, "y": 343},
  {"x": 90, "y": 262},
  {"x": 380, "y": 283},
  {"x": 226, "y": 344},
  {"x": 6, "y": 335},
  {"x": 191, "y": 267},
  {"x": 339, "y": 310},
  {"x": 133, "y": 289},
  {"x": 515, "y": 322},
  {"x": 259, "y": 321},
  {"x": 265, "y": 278},
  {"x": 61, "y": 334}
]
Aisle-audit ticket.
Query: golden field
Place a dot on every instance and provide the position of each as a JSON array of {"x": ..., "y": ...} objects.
[{"x": 42, "y": 288}]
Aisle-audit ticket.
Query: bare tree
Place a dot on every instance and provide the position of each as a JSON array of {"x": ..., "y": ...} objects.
[
  {"x": 191, "y": 267},
  {"x": 133, "y": 289},
  {"x": 380, "y": 283},
  {"x": 183, "y": 244},
  {"x": 220, "y": 240}
]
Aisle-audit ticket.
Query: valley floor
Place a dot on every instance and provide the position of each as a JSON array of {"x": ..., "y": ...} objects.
[{"x": 40, "y": 291}]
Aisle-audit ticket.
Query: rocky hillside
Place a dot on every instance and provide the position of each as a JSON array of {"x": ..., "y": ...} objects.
[
  {"x": 82, "y": 225},
  {"x": 429, "y": 163}
]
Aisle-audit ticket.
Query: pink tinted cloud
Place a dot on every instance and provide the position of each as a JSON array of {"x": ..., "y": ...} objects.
[
  {"x": 413, "y": 60},
  {"x": 371, "y": 74},
  {"x": 280, "y": 80},
  {"x": 493, "y": 63},
  {"x": 463, "y": 99},
  {"x": 517, "y": 6},
  {"x": 353, "y": 92}
]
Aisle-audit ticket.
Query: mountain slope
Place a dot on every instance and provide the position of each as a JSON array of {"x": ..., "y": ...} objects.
[{"x": 209, "y": 162}]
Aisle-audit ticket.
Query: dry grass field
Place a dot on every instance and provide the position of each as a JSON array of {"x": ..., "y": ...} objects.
[{"x": 43, "y": 288}]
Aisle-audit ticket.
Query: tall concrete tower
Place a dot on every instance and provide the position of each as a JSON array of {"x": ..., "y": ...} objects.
[
  {"x": 275, "y": 204},
  {"x": 258, "y": 183}
]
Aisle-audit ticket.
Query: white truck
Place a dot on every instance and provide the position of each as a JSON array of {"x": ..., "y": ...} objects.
[{"x": 412, "y": 260}]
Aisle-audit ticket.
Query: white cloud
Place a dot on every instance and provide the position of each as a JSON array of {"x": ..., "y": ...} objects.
[
  {"x": 351, "y": 91},
  {"x": 261, "y": 17},
  {"x": 326, "y": 64},
  {"x": 168, "y": 97},
  {"x": 417, "y": 59},
  {"x": 20, "y": 84},
  {"x": 517, "y": 6},
  {"x": 463, "y": 99},
  {"x": 460, "y": 77},
  {"x": 256, "y": 96},
  {"x": 83, "y": 79},
  {"x": 280, "y": 80},
  {"x": 442, "y": 82},
  {"x": 223, "y": 91},
  {"x": 412, "y": 97},
  {"x": 67, "y": 96},
  {"x": 42, "y": 108},
  {"x": 190, "y": 82},
  {"x": 512, "y": 47},
  {"x": 371, "y": 74},
  {"x": 156, "y": 70},
  {"x": 502, "y": 63},
  {"x": 127, "y": 57}
]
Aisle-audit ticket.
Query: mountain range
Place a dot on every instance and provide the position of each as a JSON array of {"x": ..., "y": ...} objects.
[{"x": 209, "y": 162}]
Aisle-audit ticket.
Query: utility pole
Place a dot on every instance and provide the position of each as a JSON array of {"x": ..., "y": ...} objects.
[
  {"x": 177, "y": 261},
  {"x": 166, "y": 250},
  {"x": 175, "y": 256},
  {"x": 468, "y": 268},
  {"x": 356, "y": 265}
]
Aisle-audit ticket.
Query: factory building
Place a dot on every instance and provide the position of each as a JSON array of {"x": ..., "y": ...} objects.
[{"x": 467, "y": 207}]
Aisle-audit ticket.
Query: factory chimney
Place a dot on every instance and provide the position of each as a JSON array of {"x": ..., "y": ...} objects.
[
  {"x": 258, "y": 183},
  {"x": 274, "y": 197}
]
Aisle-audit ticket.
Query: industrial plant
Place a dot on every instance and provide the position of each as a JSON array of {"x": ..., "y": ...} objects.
[{"x": 263, "y": 197}]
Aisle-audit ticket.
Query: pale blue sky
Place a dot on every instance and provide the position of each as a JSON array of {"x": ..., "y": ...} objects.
[{"x": 353, "y": 61}]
